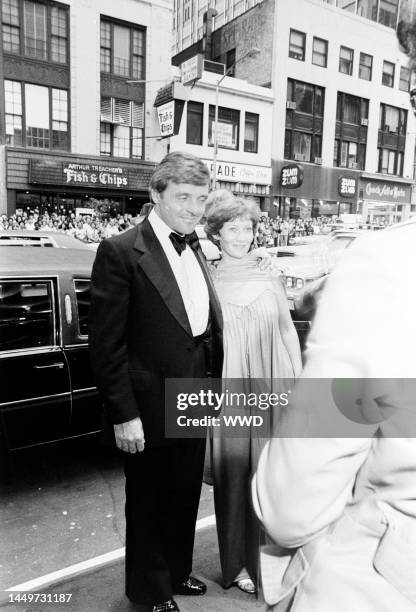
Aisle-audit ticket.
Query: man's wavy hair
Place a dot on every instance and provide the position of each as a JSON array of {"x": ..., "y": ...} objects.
[{"x": 179, "y": 167}]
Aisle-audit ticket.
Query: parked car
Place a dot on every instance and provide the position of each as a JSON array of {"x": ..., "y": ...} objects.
[
  {"x": 47, "y": 392},
  {"x": 44, "y": 239},
  {"x": 312, "y": 261}
]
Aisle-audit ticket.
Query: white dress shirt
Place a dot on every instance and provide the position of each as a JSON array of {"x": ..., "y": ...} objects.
[{"x": 188, "y": 275}]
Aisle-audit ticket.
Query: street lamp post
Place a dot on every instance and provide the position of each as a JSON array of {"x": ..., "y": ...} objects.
[{"x": 250, "y": 53}]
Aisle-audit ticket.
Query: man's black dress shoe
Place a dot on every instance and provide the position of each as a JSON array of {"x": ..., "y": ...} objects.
[
  {"x": 192, "y": 586},
  {"x": 166, "y": 606}
]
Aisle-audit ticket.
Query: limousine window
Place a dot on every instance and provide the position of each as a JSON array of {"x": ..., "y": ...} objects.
[
  {"x": 26, "y": 315},
  {"x": 82, "y": 291}
]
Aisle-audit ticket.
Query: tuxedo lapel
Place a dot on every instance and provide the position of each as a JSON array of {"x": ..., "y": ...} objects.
[{"x": 154, "y": 263}]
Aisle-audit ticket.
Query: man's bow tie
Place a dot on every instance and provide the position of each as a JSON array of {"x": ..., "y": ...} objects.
[{"x": 180, "y": 242}]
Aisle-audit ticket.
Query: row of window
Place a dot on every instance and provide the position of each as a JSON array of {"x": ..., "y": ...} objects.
[
  {"x": 35, "y": 30},
  {"x": 228, "y": 127},
  {"x": 41, "y": 31},
  {"x": 385, "y": 12},
  {"x": 36, "y": 116},
  {"x": 304, "y": 129},
  {"x": 297, "y": 50}
]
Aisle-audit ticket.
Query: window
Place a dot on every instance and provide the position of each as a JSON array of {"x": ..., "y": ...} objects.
[
  {"x": 59, "y": 119},
  {"x": 393, "y": 119},
  {"x": 366, "y": 67},
  {"x": 390, "y": 161},
  {"x": 351, "y": 131},
  {"x": 304, "y": 121},
  {"x": 404, "y": 83},
  {"x": 11, "y": 29},
  {"x": 35, "y": 30},
  {"x": 346, "y": 60},
  {"x": 297, "y": 42},
  {"x": 82, "y": 292},
  {"x": 251, "y": 132},
  {"x": 388, "y": 13},
  {"x": 320, "y": 52},
  {"x": 349, "y": 154},
  {"x": 26, "y": 315},
  {"x": 194, "y": 123},
  {"x": 388, "y": 74},
  {"x": 13, "y": 112},
  {"x": 228, "y": 128},
  {"x": 391, "y": 139},
  {"x": 122, "y": 50},
  {"x": 58, "y": 35},
  {"x": 45, "y": 35},
  {"x": 121, "y": 128},
  {"x": 230, "y": 62},
  {"x": 45, "y": 121}
]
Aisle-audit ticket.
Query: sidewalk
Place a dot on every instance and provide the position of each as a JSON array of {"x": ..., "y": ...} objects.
[{"x": 103, "y": 589}]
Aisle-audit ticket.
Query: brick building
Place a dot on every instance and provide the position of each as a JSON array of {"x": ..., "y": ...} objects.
[
  {"x": 342, "y": 127},
  {"x": 77, "y": 82}
]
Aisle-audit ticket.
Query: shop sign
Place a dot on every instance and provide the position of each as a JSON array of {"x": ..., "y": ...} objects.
[
  {"x": 166, "y": 116},
  {"x": 90, "y": 175},
  {"x": 386, "y": 192},
  {"x": 347, "y": 186},
  {"x": 241, "y": 173},
  {"x": 192, "y": 69},
  {"x": 291, "y": 176}
]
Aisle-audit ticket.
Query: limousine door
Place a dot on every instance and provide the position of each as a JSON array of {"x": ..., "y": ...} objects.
[{"x": 35, "y": 399}]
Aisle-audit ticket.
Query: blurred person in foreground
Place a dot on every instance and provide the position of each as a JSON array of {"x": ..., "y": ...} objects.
[
  {"x": 345, "y": 508},
  {"x": 154, "y": 315},
  {"x": 260, "y": 344}
]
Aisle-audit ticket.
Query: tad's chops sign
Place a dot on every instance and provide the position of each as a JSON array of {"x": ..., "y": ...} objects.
[
  {"x": 94, "y": 175},
  {"x": 166, "y": 116},
  {"x": 291, "y": 176}
]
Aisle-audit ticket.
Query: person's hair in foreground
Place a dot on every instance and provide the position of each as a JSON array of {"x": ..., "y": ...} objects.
[
  {"x": 179, "y": 167},
  {"x": 223, "y": 206}
]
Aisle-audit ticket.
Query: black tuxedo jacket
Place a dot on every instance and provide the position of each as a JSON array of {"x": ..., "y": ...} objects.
[{"x": 139, "y": 331}]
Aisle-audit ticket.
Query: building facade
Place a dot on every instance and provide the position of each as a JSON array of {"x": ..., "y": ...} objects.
[
  {"x": 343, "y": 131},
  {"x": 77, "y": 82},
  {"x": 188, "y": 18},
  {"x": 244, "y": 139}
]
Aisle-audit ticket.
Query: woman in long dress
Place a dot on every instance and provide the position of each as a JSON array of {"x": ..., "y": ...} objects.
[{"x": 260, "y": 346}]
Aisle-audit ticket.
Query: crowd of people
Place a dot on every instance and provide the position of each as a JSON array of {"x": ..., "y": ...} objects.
[
  {"x": 88, "y": 228},
  {"x": 278, "y": 231}
]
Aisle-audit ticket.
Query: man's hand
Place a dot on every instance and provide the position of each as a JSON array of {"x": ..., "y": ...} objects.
[{"x": 130, "y": 436}]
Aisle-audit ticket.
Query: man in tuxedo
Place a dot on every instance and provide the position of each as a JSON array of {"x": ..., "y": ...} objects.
[{"x": 154, "y": 315}]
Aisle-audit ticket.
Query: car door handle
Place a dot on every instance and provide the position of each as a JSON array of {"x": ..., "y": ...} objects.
[{"x": 57, "y": 366}]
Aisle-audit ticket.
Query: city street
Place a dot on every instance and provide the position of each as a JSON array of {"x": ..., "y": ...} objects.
[{"x": 65, "y": 505}]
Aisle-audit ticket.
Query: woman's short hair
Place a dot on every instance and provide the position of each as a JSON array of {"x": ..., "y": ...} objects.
[
  {"x": 223, "y": 206},
  {"x": 179, "y": 167}
]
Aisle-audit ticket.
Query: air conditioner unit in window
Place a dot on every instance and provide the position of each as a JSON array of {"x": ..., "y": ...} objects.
[
  {"x": 364, "y": 121},
  {"x": 386, "y": 128},
  {"x": 318, "y": 160},
  {"x": 300, "y": 157},
  {"x": 291, "y": 105},
  {"x": 353, "y": 165}
]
